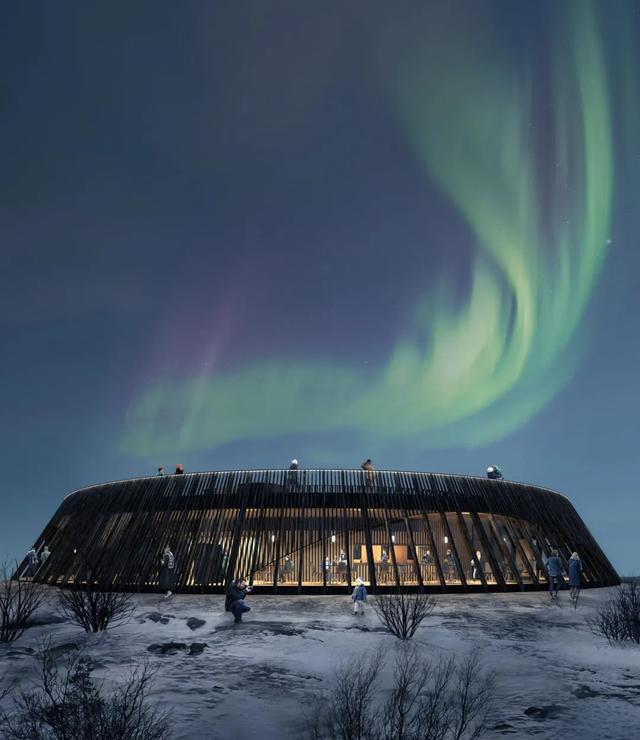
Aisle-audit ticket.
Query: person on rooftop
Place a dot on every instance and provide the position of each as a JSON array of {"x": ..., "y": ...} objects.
[
  {"x": 44, "y": 555},
  {"x": 368, "y": 468},
  {"x": 293, "y": 471}
]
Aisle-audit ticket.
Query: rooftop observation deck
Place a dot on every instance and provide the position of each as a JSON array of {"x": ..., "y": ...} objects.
[{"x": 335, "y": 480}]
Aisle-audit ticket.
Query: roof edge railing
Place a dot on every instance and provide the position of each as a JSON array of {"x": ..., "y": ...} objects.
[{"x": 285, "y": 471}]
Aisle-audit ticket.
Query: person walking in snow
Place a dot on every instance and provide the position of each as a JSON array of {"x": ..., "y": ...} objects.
[
  {"x": 167, "y": 572},
  {"x": 234, "y": 602},
  {"x": 359, "y": 597},
  {"x": 554, "y": 573},
  {"x": 575, "y": 569}
]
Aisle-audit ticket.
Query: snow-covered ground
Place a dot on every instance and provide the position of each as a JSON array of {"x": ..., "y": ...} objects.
[{"x": 254, "y": 680}]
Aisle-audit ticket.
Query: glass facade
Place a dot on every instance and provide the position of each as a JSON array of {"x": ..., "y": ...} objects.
[{"x": 317, "y": 531}]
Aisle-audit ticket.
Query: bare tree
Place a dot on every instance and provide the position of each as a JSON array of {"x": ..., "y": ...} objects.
[
  {"x": 69, "y": 705},
  {"x": 95, "y": 611},
  {"x": 448, "y": 700},
  {"x": 19, "y": 599},
  {"x": 471, "y": 698},
  {"x": 403, "y": 612},
  {"x": 619, "y": 619},
  {"x": 346, "y": 712},
  {"x": 429, "y": 700}
]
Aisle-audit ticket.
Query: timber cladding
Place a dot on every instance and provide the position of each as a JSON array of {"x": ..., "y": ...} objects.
[{"x": 316, "y": 531}]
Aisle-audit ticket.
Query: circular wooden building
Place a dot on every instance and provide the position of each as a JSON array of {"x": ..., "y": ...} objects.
[{"x": 316, "y": 531}]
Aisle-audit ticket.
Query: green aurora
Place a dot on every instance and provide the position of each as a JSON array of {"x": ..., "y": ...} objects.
[{"x": 469, "y": 371}]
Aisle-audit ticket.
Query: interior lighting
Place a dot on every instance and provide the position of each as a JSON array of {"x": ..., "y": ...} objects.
[{"x": 446, "y": 540}]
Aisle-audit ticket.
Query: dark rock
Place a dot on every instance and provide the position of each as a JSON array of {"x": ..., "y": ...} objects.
[
  {"x": 505, "y": 728},
  {"x": 534, "y": 712},
  {"x": 17, "y": 652},
  {"x": 548, "y": 712},
  {"x": 157, "y": 617},
  {"x": 170, "y": 648},
  {"x": 584, "y": 692},
  {"x": 66, "y": 647},
  {"x": 197, "y": 647},
  {"x": 40, "y": 620},
  {"x": 194, "y": 623}
]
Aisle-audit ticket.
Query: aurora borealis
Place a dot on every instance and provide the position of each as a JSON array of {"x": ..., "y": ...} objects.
[
  {"x": 508, "y": 346},
  {"x": 238, "y": 235}
]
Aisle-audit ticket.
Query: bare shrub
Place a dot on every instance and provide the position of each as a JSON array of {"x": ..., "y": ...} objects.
[
  {"x": 445, "y": 700},
  {"x": 95, "y": 611},
  {"x": 19, "y": 599},
  {"x": 348, "y": 712},
  {"x": 619, "y": 619},
  {"x": 449, "y": 700},
  {"x": 69, "y": 705},
  {"x": 403, "y": 612}
]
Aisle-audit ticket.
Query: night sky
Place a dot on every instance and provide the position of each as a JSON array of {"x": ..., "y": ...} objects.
[{"x": 233, "y": 234}]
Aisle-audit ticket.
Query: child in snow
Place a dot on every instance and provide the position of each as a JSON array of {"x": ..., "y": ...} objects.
[{"x": 359, "y": 596}]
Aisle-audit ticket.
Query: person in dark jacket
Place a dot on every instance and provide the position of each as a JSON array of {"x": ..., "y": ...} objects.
[
  {"x": 450, "y": 566},
  {"x": 554, "y": 572},
  {"x": 575, "y": 569},
  {"x": 179, "y": 469},
  {"x": 160, "y": 471},
  {"x": 167, "y": 572},
  {"x": 293, "y": 472},
  {"x": 234, "y": 602}
]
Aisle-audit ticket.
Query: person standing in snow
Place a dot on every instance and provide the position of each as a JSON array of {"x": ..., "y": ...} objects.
[
  {"x": 179, "y": 469},
  {"x": 359, "y": 597},
  {"x": 234, "y": 602},
  {"x": 575, "y": 569},
  {"x": 554, "y": 573},
  {"x": 160, "y": 471},
  {"x": 167, "y": 572}
]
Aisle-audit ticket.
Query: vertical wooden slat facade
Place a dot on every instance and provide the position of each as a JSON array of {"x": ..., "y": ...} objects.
[{"x": 439, "y": 532}]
